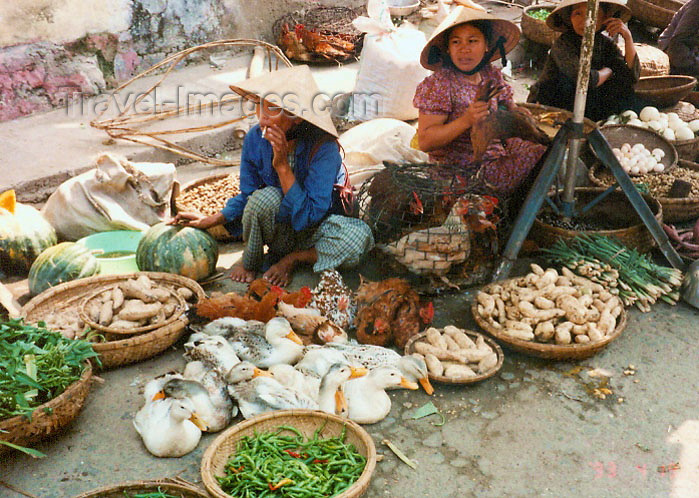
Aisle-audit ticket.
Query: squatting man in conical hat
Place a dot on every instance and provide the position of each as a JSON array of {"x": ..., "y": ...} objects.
[
  {"x": 612, "y": 75},
  {"x": 293, "y": 186},
  {"x": 450, "y": 102}
]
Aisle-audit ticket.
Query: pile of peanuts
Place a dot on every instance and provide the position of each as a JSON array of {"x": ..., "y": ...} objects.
[{"x": 209, "y": 198}]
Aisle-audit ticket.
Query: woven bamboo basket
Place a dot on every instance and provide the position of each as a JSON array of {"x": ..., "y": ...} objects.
[
  {"x": 619, "y": 134},
  {"x": 410, "y": 349},
  {"x": 226, "y": 185},
  {"x": 654, "y": 62},
  {"x": 657, "y": 13},
  {"x": 675, "y": 210},
  {"x": 49, "y": 418},
  {"x": 116, "y": 351},
  {"x": 548, "y": 351},
  {"x": 175, "y": 487},
  {"x": 535, "y": 29},
  {"x": 665, "y": 91},
  {"x": 616, "y": 208},
  {"x": 181, "y": 307},
  {"x": 688, "y": 149},
  {"x": 307, "y": 422}
]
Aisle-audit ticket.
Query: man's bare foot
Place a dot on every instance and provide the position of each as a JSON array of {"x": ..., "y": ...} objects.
[
  {"x": 280, "y": 272},
  {"x": 240, "y": 274}
]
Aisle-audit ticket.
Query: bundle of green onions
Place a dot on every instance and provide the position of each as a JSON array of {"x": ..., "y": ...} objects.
[
  {"x": 274, "y": 464},
  {"x": 622, "y": 271}
]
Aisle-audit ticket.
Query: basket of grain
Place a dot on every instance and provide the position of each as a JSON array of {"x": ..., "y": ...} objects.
[
  {"x": 208, "y": 196},
  {"x": 675, "y": 209},
  {"x": 307, "y": 424},
  {"x": 582, "y": 321},
  {"x": 456, "y": 356},
  {"x": 59, "y": 308}
]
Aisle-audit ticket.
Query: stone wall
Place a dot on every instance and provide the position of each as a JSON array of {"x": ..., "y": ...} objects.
[{"x": 52, "y": 48}]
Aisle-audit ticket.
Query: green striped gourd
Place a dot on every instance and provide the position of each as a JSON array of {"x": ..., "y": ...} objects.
[
  {"x": 185, "y": 251},
  {"x": 61, "y": 263},
  {"x": 24, "y": 233}
]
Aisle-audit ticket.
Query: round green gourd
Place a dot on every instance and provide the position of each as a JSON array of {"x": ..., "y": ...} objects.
[
  {"x": 23, "y": 235},
  {"x": 185, "y": 251},
  {"x": 61, "y": 263}
]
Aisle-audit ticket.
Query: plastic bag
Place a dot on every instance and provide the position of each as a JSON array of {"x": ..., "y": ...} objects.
[
  {"x": 389, "y": 55},
  {"x": 115, "y": 195}
]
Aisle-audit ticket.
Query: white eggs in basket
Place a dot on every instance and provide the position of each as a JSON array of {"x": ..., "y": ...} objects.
[{"x": 636, "y": 159}]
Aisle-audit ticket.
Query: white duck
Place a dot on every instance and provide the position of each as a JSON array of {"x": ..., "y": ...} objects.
[
  {"x": 256, "y": 392},
  {"x": 366, "y": 397},
  {"x": 212, "y": 381},
  {"x": 331, "y": 397},
  {"x": 214, "y": 412},
  {"x": 169, "y": 427},
  {"x": 214, "y": 351},
  {"x": 280, "y": 345},
  {"x": 153, "y": 390},
  {"x": 291, "y": 378},
  {"x": 228, "y": 326}
]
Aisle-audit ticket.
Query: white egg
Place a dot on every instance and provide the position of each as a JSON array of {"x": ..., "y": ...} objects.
[
  {"x": 637, "y": 147},
  {"x": 694, "y": 125},
  {"x": 645, "y": 152},
  {"x": 659, "y": 152},
  {"x": 673, "y": 115},
  {"x": 651, "y": 162},
  {"x": 616, "y": 151},
  {"x": 684, "y": 133},
  {"x": 629, "y": 114},
  {"x": 634, "y": 170},
  {"x": 625, "y": 147},
  {"x": 633, "y": 161},
  {"x": 676, "y": 124},
  {"x": 655, "y": 125},
  {"x": 649, "y": 113},
  {"x": 659, "y": 168},
  {"x": 669, "y": 134},
  {"x": 625, "y": 167},
  {"x": 636, "y": 122}
]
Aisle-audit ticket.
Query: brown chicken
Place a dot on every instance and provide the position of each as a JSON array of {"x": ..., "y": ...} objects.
[
  {"x": 244, "y": 307},
  {"x": 292, "y": 45},
  {"x": 389, "y": 311},
  {"x": 503, "y": 124},
  {"x": 308, "y": 44},
  {"x": 259, "y": 288},
  {"x": 433, "y": 251}
]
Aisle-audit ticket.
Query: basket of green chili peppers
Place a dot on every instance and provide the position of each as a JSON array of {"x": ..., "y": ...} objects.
[{"x": 291, "y": 454}]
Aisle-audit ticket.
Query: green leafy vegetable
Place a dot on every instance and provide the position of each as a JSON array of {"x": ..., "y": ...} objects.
[
  {"x": 276, "y": 464},
  {"x": 540, "y": 14},
  {"x": 36, "y": 365}
]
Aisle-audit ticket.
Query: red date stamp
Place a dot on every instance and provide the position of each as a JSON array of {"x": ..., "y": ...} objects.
[{"x": 610, "y": 470}]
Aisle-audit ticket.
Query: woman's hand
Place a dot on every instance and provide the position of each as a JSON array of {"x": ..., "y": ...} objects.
[
  {"x": 280, "y": 147},
  {"x": 616, "y": 26},
  {"x": 194, "y": 220},
  {"x": 476, "y": 111}
]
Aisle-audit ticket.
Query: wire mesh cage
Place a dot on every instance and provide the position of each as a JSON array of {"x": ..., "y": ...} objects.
[
  {"x": 433, "y": 221},
  {"x": 320, "y": 34}
]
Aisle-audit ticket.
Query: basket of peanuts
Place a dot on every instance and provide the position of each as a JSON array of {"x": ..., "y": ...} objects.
[
  {"x": 208, "y": 196},
  {"x": 456, "y": 356}
]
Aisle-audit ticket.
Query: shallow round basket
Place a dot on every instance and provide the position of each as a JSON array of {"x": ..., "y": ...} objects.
[
  {"x": 307, "y": 422},
  {"x": 114, "y": 353},
  {"x": 619, "y": 134},
  {"x": 615, "y": 207},
  {"x": 675, "y": 210},
  {"x": 535, "y": 29},
  {"x": 657, "y": 13},
  {"x": 665, "y": 91},
  {"x": 131, "y": 488},
  {"x": 224, "y": 186},
  {"x": 548, "y": 351},
  {"x": 410, "y": 349},
  {"x": 550, "y": 119},
  {"x": 137, "y": 330},
  {"x": 49, "y": 418}
]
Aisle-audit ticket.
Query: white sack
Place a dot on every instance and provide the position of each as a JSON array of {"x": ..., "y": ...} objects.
[{"x": 115, "y": 195}]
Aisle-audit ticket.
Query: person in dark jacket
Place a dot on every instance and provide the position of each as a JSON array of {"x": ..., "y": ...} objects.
[
  {"x": 612, "y": 75},
  {"x": 680, "y": 40}
]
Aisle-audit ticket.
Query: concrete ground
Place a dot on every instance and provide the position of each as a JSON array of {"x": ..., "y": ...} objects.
[{"x": 534, "y": 429}]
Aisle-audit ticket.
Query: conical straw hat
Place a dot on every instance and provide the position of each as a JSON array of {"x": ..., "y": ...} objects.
[
  {"x": 559, "y": 18},
  {"x": 460, "y": 15},
  {"x": 295, "y": 90}
]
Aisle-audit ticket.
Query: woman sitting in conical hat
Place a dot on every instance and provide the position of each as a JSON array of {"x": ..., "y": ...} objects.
[
  {"x": 612, "y": 75},
  {"x": 449, "y": 101},
  {"x": 291, "y": 185}
]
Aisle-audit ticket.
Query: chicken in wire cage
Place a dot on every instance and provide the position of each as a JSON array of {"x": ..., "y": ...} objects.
[{"x": 431, "y": 220}]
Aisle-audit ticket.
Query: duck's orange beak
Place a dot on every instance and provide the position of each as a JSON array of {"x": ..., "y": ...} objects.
[
  {"x": 198, "y": 422},
  {"x": 159, "y": 395},
  {"x": 340, "y": 402},
  {"x": 407, "y": 384},
  {"x": 258, "y": 372},
  {"x": 425, "y": 383},
  {"x": 293, "y": 337},
  {"x": 358, "y": 372}
]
